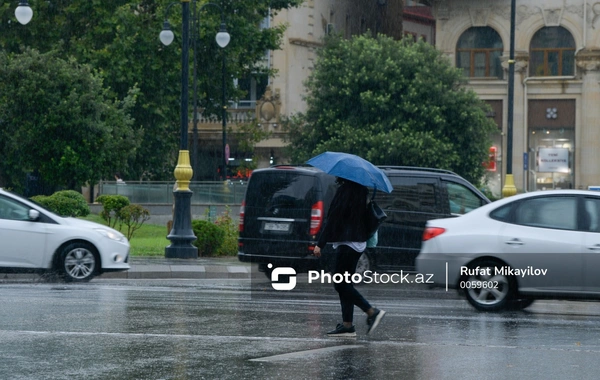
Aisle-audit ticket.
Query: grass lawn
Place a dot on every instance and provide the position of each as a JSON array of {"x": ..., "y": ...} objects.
[{"x": 148, "y": 240}]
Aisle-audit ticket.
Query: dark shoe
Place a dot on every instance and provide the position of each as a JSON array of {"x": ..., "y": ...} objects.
[
  {"x": 373, "y": 321},
  {"x": 342, "y": 332}
]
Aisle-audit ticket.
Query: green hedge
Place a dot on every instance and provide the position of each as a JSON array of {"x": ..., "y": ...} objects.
[
  {"x": 64, "y": 203},
  {"x": 229, "y": 247},
  {"x": 218, "y": 238},
  {"x": 209, "y": 237}
]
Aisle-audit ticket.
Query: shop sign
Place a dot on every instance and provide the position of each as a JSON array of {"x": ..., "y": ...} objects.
[{"x": 553, "y": 160}]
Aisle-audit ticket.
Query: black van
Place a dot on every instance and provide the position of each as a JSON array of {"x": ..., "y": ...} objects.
[
  {"x": 282, "y": 215},
  {"x": 285, "y": 206},
  {"x": 419, "y": 194}
]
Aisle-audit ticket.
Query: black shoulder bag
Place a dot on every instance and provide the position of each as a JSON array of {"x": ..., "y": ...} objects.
[{"x": 375, "y": 216}]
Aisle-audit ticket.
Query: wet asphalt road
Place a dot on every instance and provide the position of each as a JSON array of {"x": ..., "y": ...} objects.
[{"x": 225, "y": 329}]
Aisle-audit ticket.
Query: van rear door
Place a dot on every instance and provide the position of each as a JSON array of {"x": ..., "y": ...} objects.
[{"x": 280, "y": 212}]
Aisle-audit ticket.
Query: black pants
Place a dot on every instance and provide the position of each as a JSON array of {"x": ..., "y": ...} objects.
[{"x": 346, "y": 260}]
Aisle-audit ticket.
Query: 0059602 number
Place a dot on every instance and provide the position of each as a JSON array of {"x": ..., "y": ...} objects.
[{"x": 478, "y": 284}]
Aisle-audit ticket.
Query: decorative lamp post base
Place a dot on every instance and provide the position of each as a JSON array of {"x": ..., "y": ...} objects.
[
  {"x": 509, "y": 188},
  {"x": 182, "y": 235}
]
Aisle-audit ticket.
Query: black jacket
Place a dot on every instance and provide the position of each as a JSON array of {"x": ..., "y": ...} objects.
[{"x": 346, "y": 218}]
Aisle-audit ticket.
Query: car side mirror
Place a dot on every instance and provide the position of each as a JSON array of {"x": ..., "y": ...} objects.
[{"x": 34, "y": 214}]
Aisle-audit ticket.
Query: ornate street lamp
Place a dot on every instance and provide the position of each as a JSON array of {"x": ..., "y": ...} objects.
[
  {"x": 182, "y": 235},
  {"x": 224, "y": 111},
  {"x": 23, "y": 13},
  {"x": 509, "y": 181}
]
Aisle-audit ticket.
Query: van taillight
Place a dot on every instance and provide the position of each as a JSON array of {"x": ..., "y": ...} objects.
[
  {"x": 242, "y": 213},
  {"x": 431, "y": 232},
  {"x": 316, "y": 218}
]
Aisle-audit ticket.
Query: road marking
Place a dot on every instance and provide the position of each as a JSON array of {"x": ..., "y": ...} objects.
[{"x": 305, "y": 353}]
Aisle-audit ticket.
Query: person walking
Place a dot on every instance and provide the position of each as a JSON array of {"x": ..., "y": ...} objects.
[
  {"x": 118, "y": 179},
  {"x": 346, "y": 228}
]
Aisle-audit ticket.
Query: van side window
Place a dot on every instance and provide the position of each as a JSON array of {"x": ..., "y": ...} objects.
[
  {"x": 412, "y": 195},
  {"x": 461, "y": 199}
]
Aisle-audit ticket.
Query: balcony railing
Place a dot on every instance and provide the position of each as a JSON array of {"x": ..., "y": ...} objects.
[{"x": 234, "y": 116}]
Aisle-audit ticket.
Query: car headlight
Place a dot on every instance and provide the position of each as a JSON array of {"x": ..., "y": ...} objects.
[{"x": 113, "y": 235}]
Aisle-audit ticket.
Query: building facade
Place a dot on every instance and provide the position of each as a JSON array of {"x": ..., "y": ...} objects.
[
  {"x": 283, "y": 94},
  {"x": 556, "y": 123},
  {"x": 310, "y": 23}
]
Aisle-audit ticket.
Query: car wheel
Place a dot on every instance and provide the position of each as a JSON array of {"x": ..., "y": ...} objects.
[
  {"x": 488, "y": 292},
  {"x": 364, "y": 263},
  {"x": 78, "y": 262}
]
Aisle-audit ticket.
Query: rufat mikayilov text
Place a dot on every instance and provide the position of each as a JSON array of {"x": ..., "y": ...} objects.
[
  {"x": 369, "y": 277},
  {"x": 503, "y": 270}
]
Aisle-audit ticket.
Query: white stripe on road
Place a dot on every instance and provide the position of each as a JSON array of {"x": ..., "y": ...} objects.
[{"x": 303, "y": 354}]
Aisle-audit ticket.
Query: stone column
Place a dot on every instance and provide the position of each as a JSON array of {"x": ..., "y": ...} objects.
[
  {"x": 587, "y": 133},
  {"x": 519, "y": 126}
]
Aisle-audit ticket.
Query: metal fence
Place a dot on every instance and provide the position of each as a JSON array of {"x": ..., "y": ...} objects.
[{"x": 148, "y": 192}]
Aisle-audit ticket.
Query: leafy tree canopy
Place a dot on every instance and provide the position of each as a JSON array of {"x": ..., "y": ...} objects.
[
  {"x": 393, "y": 103},
  {"x": 119, "y": 40},
  {"x": 58, "y": 119}
]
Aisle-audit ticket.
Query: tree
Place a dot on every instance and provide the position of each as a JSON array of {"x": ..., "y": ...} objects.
[
  {"x": 247, "y": 135},
  {"x": 119, "y": 39},
  {"x": 394, "y": 103},
  {"x": 57, "y": 119}
]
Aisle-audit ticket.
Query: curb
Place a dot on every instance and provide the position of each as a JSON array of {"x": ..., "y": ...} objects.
[
  {"x": 163, "y": 271},
  {"x": 161, "y": 268}
]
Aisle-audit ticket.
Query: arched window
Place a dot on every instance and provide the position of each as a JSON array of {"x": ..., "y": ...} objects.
[
  {"x": 478, "y": 52},
  {"x": 552, "y": 52}
]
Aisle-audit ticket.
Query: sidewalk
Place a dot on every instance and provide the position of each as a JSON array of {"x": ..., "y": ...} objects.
[{"x": 203, "y": 267}]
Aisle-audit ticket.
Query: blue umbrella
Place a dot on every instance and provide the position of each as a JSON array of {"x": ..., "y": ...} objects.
[{"x": 353, "y": 168}]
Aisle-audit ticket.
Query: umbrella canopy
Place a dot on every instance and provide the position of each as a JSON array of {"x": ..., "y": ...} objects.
[{"x": 353, "y": 168}]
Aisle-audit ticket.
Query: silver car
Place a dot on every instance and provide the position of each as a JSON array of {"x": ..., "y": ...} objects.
[
  {"x": 33, "y": 239},
  {"x": 506, "y": 254}
]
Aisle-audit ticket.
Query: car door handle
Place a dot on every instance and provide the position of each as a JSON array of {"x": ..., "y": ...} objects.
[
  {"x": 594, "y": 247},
  {"x": 514, "y": 242}
]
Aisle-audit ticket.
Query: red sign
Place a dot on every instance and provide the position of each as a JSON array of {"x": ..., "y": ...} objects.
[{"x": 491, "y": 162}]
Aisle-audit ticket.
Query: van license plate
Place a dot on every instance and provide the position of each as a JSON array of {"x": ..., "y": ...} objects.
[{"x": 283, "y": 227}]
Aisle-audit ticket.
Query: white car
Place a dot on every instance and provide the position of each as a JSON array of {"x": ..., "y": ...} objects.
[
  {"x": 506, "y": 254},
  {"x": 33, "y": 239}
]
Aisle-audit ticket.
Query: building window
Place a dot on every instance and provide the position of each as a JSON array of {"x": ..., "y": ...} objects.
[
  {"x": 552, "y": 52},
  {"x": 254, "y": 87},
  {"x": 551, "y": 146},
  {"x": 478, "y": 53}
]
